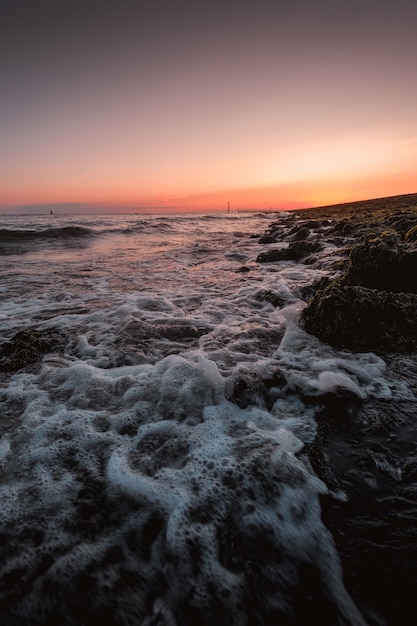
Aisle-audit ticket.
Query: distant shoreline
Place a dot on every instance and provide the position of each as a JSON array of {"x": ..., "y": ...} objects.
[{"x": 395, "y": 202}]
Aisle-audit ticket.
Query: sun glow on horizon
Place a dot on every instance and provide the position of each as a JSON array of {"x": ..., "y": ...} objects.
[{"x": 184, "y": 110}]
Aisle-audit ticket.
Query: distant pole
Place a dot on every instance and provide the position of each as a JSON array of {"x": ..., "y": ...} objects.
[{"x": 228, "y": 207}]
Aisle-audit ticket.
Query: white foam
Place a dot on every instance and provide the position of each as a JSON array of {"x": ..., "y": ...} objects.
[
  {"x": 318, "y": 368},
  {"x": 146, "y": 454}
]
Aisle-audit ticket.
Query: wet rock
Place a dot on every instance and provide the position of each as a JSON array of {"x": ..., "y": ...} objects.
[
  {"x": 300, "y": 233},
  {"x": 245, "y": 389},
  {"x": 308, "y": 291},
  {"x": 296, "y": 251},
  {"x": 139, "y": 341},
  {"x": 27, "y": 347},
  {"x": 342, "y": 227},
  {"x": 373, "y": 304},
  {"x": 384, "y": 262},
  {"x": 268, "y": 239},
  {"x": 270, "y": 256},
  {"x": 362, "y": 452},
  {"x": 358, "y": 318},
  {"x": 276, "y": 299}
]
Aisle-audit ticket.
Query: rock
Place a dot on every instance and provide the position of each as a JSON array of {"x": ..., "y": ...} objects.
[
  {"x": 384, "y": 262},
  {"x": 308, "y": 291},
  {"x": 372, "y": 304},
  {"x": 401, "y": 223},
  {"x": 268, "y": 239},
  {"x": 275, "y": 299},
  {"x": 358, "y": 447},
  {"x": 411, "y": 235},
  {"x": 270, "y": 256},
  {"x": 358, "y": 318},
  {"x": 139, "y": 341},
  {"x": 295, "y": 252},
  {"x": 27, "y": 347},
  {"x": 342, "y": 227},
  {"x": 300, "y": 233},
  {"x": 245, "y": 389}
]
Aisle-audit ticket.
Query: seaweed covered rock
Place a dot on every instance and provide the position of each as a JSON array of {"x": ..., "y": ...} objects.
[
  {"x": 411, "y": 235},
  {"x": 358, "y": 318},
  {"x": 26, "y": 347},
  {"x": 308, "y": 291},
  {"x": 401, "y": 222},
  {"x": 384, "y": 262},
  {"x": 373, "y": 303}
]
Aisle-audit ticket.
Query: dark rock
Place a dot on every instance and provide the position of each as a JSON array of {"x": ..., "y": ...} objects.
[
  {"x": 308, "y": 291},
  {"x": 27, "y": 347},
  {"x": 268, "y": 239},
  {"x": 385, "y": 263},
  {"x": 244, "y": 269},
  {"x": 358, "y": 318},
  {"x": 401, "y": 223},
  {"x": 359, "y": 446},
  {"x": 300, "y": 233},
  {"x": 411, "y": 235},
  {"x": 275, "y": 299},
  {"x": 343, "y": 227},
  {"x": 300, "y": 249},
  {"x": 270, "y": 256},
  {"x": 245, "y": 389},
  {"x": 295, "y": 252}
]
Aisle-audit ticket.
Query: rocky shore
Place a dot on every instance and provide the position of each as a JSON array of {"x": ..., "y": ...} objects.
[
  {"x": 371, "y": 304},
  {"x": 366, "y": 450}
]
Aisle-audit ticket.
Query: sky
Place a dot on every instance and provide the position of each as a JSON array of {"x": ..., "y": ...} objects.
[{"x": 182, "y": 105}]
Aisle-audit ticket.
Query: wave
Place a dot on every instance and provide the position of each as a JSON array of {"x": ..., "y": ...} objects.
[
  {"x": 66, "y": 232},
  {"x": 149, "y": 226},
  {"x": 20, "y": 241}
]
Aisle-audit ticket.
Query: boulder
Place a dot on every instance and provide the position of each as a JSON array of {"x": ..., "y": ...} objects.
[
  {"x": 363, "y": 319},
  {"x": 384, "y": 262},
  {"x": 27, "y": 347}
]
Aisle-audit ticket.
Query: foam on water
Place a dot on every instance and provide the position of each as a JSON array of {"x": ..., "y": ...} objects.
[
  {"x": 161, "y": 443},
  {"x": 153, "y": 470}
]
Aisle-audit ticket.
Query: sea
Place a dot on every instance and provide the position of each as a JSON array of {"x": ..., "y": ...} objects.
[{"x": 158, "y": 464}]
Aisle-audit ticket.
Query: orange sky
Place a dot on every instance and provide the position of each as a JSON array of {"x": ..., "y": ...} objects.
[{"x": 187, "y": 106}]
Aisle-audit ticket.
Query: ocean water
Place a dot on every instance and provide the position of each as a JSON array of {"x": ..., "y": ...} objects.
[{"x": 154, "y": 464}]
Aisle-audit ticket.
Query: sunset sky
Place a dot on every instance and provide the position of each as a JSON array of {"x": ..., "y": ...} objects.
[{"x": 180, "y": 104}]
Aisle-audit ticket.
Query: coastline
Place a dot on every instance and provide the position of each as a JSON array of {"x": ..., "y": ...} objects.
[{"x": 369, "y": 304}]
